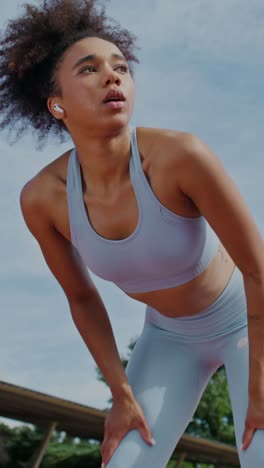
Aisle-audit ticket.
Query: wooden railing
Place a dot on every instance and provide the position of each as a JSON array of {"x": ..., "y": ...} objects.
[{"x": 86, "y": 422}]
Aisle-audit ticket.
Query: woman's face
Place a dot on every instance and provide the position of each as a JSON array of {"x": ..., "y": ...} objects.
[{"x": 89, "y": 69}]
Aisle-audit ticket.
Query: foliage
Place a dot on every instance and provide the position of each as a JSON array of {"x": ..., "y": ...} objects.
[
  {"x": 213, "y": 418},
  {"x": 20, "y": 445},
  {"x": 72, "y": 456}
]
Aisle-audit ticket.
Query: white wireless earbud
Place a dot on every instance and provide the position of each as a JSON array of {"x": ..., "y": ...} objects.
[{"x": 58, "y": 108}]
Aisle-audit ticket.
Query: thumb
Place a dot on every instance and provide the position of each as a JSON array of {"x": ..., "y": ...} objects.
[{"x": 146, "y": 433}]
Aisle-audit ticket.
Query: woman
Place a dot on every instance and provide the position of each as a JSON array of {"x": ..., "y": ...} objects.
[{"x": 153, "y": 211}]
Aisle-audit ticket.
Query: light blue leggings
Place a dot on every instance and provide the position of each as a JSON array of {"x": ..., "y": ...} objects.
[{"x": 170, "y": 366}]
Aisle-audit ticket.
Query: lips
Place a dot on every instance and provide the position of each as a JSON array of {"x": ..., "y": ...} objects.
[{"x": 114, "y": 96}]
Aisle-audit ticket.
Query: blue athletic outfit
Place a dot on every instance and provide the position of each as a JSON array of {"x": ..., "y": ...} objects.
[{"x": 174, "y": 358}]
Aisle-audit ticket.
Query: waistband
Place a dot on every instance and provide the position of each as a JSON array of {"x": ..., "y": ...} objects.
[{"x": 226, "y": 314}]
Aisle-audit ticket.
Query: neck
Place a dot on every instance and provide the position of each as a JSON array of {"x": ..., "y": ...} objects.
[{"x": 104, "y": 160}]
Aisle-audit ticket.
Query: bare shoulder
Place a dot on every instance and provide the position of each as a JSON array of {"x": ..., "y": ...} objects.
[
  {"x": 185, "y": 157},
  {"x": 43, "y": 204},
  {"x": 161, "y": 135},
  {"x": 47, "y": 186},
  {"x": 168, "y": 146}
]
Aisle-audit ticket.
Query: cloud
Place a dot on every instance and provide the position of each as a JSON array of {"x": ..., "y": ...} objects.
[{"x": 230, "y": 29}]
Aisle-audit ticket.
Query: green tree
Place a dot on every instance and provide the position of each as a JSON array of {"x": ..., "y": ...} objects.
[
  {"x": 22, "y": 441},
  {"x": 213, "y": 418},
  {"x": 70, "y": 454},
  {"x": 5, "y": 432},
  {"x": 19, "y": 445}
]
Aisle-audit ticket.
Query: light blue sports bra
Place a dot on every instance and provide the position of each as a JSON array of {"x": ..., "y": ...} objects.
[{"x": 164, "y": 251}]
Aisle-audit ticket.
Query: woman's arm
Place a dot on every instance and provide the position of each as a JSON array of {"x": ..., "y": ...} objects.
[
  {"x": 91, "y": 319},
  {"x": 202, "y": 177},
  {"x": 88, "y": 311},
  {"x": 93, "y": 324}
]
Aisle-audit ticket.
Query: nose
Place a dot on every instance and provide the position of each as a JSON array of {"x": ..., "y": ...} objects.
[{"x": 111, "y": 76}]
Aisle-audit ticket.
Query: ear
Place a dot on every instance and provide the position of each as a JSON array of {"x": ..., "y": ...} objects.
[{"x": 50, "y": 103}]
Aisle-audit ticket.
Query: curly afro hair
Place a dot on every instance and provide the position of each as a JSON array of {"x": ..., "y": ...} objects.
[{"x": 30, "y": 51}]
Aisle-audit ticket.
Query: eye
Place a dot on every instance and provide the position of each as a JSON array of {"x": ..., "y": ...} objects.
[
  {"x": 90, "y": 68},
  {"x": 124, "y": 68}
]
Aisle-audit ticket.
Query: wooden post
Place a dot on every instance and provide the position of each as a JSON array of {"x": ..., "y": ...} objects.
[
  {"x": 44, "y": 445},
  {"x": 181, "y": 460}
]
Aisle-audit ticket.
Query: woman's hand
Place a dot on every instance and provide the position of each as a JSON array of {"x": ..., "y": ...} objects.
[
  {"x": 125, "y": 415},
  {"x": 254, "y": 420}
]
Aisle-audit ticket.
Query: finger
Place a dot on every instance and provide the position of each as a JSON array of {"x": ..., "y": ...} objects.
[
  {"x": 103, "y": 445},
  {"x": 146, "y": 433},
  {"x": 109, "y": 450},
  {"x": 247, "y": 437}
]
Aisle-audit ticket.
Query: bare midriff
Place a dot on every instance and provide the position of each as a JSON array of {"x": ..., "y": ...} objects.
[
  {"x": 183, "y": 300},
  {"x": 194, "y": 296}
]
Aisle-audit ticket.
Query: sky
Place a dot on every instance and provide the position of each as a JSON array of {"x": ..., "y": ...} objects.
[{"x": 201, "y": 70}]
